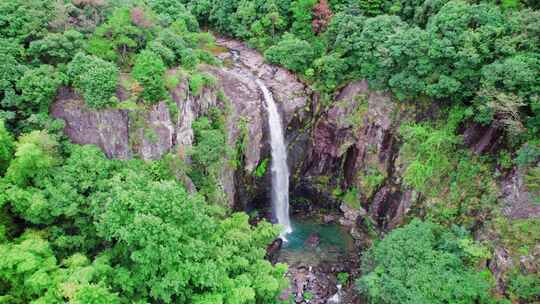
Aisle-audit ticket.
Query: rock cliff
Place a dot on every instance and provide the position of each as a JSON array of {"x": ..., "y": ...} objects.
[{"x": 150, "y": 132}]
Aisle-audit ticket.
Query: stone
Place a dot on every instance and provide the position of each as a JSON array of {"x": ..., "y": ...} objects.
[
  {"x": 313, "y": 240},
  {"x": 328, "y": 218},
  {"x": 273, "y": 249}
]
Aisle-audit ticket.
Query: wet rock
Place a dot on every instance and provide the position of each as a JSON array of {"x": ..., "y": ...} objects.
[
  {"x": 152, "y": 132},
  {"x": 272, "y": 250},
  {"x": 290, "y": 93},
  {"x": 350, "y": 215},
  {"x": 300, "y": 281},
  {"x": 483, "y": 139},
  {"x": 355, "y": 142},
  {"x": 313, "y": 240}
]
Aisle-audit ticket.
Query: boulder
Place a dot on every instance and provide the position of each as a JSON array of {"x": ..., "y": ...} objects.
[
  {"x": 313, "y": 240},
  {"x": 273, "y": 249}
]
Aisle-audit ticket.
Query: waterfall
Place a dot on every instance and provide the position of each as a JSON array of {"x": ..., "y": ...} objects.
[{"x": 280, "y": 170}]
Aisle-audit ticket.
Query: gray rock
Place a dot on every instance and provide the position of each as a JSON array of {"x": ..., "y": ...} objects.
[
  {"x": 108, "y": 129},
  {"x": 518, "y": 200},
  {"x": 157, "y": 135}
]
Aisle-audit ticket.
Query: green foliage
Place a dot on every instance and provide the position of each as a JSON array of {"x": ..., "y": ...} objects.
[
  {"x": 38, "y": 87},
  {"x": 95, "y": 79},
  {"x": 330, "y": 71},
  {"x": 528, "y": 154},
  {"x": 260, "y": 171},
  {"x": 31, "y": 273},
  {"x": 175, "y": 249},
  {"x": 209, "y": 154},
  {"x": 302, "y": 11},
  {"x": 121, "y": 36},
  {"x": 12, "y": 70},
  {"x": 29, "y": 268},
  {"x": 532, "y": 181},
  {"x": 519, "y": 235},
  {"x": 421, "y": 263},
  {"x": 352, "y": 198},
  {"x": 35, "y": 154},
  {"x": 7, "y": 146},
  {"x": 526, "y": 288},
  {"x": 198, "y": 81},
  {"x": 149, "y": 71},
  {"x": 57, "y": 48},
  {"x": 343, "y": 278},
  {"x": 174, "y": 11},
  {"x": 293, "y": 53},
  {"x": 371, "y": 7},
  {"x": 456, "y": 185},
  {"x": 24, "y": 19}
]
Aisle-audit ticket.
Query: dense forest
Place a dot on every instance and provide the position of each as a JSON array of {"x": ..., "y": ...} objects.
[{"x": 77, "y": 226}]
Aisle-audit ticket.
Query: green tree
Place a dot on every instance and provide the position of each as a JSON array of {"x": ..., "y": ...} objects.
[
  {"x": 302, "y": 16},
  {"x": 24, "y": 20},
  {"x": 38, "y": 87},
  {"x": 6, "y": 147},
  {"x": 95, "y": 79},
  {"x": 295, "y": 54},
  {"x": 119, "y": 37},
  {"x": 149, "y": 71},
  {"x": 30, "y": 272},
  {"x": 422, "y": 263},
  {"x": 28, "y": 269},
  {"x": 35, "y": 154},
  {"x": 57, "y": 48},
  {"x": 172, "y": 247}
]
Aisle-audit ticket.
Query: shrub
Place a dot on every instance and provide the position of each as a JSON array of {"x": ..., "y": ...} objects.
[
  {"x": 525, "y": 287},
  {"x": 149, "y": 71},
  {"x": 95, "y": 78},
  {"x": 35, "y": 154},
  {"x": 198, "y": 81}
]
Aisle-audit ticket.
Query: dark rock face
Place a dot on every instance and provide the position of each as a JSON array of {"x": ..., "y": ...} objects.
[
  {"x": 356, "y": 141},
  {"x": 482, "y": 139},
  {"x": 158, "y": 134},
  {"x": 273, "y": 249}
]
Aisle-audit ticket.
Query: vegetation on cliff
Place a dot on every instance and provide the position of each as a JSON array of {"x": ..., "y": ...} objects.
[{"x": 78, "y": 227}]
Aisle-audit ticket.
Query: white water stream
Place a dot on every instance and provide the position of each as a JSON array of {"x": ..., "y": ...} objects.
[{"x": 280, "y": 170}]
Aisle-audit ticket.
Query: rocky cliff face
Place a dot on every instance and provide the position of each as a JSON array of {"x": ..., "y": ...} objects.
[
  {"x": 353, "y": 152},
  {"x": 346, "y": 153},
  {"x": 150, "y": 132}
]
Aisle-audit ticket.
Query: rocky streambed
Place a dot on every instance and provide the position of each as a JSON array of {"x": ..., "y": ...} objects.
[{"x": 322, "y": 262}]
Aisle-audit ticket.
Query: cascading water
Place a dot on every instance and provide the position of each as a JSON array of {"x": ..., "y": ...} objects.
[{"x": 280, "y": 170}]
